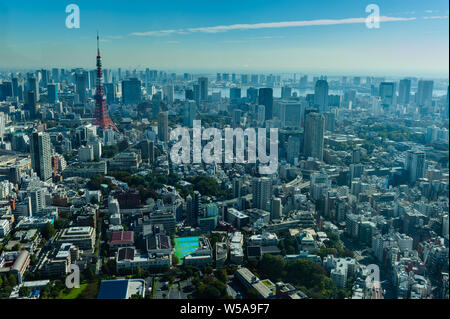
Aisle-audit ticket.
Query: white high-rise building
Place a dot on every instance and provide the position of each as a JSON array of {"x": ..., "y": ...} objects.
[
  {"x": 445, "y": 226},
  {"x": 41, "y": 155},
  {"x": 86, "y": 153},
  {"x": 415, "y": 165},
  {"x": 262, "y": 193}
]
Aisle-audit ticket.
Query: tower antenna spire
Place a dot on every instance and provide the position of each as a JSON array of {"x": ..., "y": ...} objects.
[{"x": 98, "y": 44}]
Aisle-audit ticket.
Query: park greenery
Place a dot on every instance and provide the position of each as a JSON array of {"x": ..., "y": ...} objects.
[{"x": 304, "y": 274}]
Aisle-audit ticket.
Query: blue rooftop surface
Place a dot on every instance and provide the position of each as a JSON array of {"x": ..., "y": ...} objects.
[{"x": 113, "y": 289}]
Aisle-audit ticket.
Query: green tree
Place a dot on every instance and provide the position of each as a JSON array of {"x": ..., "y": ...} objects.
[
  {"x": 138, "y": 272},
  {"x": 48, "y": 231},
  {"x": 271, "y": 266},
  {"x": 253, "y": 294},
  {"x": 222, "y": 275},
  {"x": 12, "y": 280},
  {"x": 24, "y": 291}
]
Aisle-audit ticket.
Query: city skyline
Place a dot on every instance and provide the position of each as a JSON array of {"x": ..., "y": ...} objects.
[{"x": 202, "y": 37}]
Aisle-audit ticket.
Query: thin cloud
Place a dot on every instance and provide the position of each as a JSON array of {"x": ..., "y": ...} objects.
[
  {"x": 435, "y": 17},
  {"x": 269, "y": 25},
  {"x": 159, "y": 33},
  {"x": 115, "y": 37}
]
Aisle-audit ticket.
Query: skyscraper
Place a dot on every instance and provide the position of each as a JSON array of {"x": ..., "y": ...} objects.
[
  {"x": 237, "y": 187},
  {"x": 415, "y": 165},
  {"x": 252, "y": 95},
  {"x": 387, "y": 92},
  {"x": 169, "y": 93},
  {"x": 196, "y": 89},
  {"x": 276, "y": 209},
  {"x": 293, "y": 148},
  {"x": 52, "y": 91},
  {"x": 424, "y": 93},
  {"x": 404, "y": 91},
  {"x": 32, "y": 104},
  {"x": 111, "y": 92},
  {"x": 82, "y": 84},
  {"x": 235, "y": 93},
  {"x": 131, "y": 91},
  {"x": 163, "y": 126},
  {"x": 313, "y": 136},
  {"x": 18, "y": 88},
  {"x": 321, "y": 96},
  {"x": 203, "y": 85},
  {"x": 266, "y": 98},
  {"x": 2, "y": 126},
  {"x": 41, "y": 155},
  {"x": 291, "y": 114},
  {"x": 190, "y": 113},
  {"x": 193, "y": 208},
  {"x": 262, "y": 193},
  {"x": 286, "y": 92},
  {"x": 33, "y": 85}
]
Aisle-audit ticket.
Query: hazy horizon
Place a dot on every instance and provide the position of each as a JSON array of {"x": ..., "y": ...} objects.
[{"x": 323, "y": 37}]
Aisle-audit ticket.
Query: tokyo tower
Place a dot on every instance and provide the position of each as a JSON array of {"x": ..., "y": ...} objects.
[{"x": 101, "y": 116}]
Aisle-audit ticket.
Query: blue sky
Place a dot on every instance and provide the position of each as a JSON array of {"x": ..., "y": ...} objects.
[{"x": 184, "y": 35}]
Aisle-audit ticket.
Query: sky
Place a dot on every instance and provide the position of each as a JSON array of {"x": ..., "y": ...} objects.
[{"x": 321, "y": 36}]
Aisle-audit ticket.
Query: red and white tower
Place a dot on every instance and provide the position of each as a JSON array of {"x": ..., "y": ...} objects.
[{"x": 101, "y": 116}]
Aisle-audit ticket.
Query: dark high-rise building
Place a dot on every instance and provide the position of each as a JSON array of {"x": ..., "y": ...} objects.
[
  {"x": 110, "y": 91},
  {"x": 18, "y": 88},
  {"x": 52, "y": 92},
  {"x": 313, "y": 136},
  {"x": 266, "y": 98},
  {"x": 131, "y": 91},
  {"x": 33, "y": 85},
  {"x": 6, "y": 90},
  {"x": 163, "y": 126},
  {"x": 196, "y": 88},
  {"x": 55, "y": 75},
  {"x": 82, "y": 84},
  {"x": 404, "y": 91},
  {"x": 286, "y": 92},
  {"x": 252, "y": 95},
  {"x": 203, "y": 83},
  {"x": 189, "y": 94},
  {"x": 387, "y": 92},
  {"x": 45, "y": 80},
  {"x": 321, "y": 96},
  {"x": 424, "y": 93},
  {"x": 235, "y": 93},
  {"x": 32, "y": 104},
  {"x": 193, "y": 209}
]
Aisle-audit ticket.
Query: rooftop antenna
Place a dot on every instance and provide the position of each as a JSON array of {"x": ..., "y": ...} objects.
[{"x": 98, "y": 44}]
